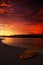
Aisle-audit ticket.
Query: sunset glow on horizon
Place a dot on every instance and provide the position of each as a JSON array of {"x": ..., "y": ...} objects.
[{"x": 20, "y": 28}]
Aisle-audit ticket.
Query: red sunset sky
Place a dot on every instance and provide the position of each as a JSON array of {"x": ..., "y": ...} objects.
[{"x": 21, "y": 17}]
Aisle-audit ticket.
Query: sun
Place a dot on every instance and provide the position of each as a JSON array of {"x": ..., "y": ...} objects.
[{"x": 6, "y": 30}]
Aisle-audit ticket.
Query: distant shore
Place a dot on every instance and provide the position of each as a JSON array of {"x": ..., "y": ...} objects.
[{"x": 26, "y": 36}]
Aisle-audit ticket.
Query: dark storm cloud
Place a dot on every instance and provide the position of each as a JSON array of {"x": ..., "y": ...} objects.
[{"x": 30, "y": 10}]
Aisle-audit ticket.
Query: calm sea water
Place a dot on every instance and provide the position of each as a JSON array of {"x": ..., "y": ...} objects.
[{"x": 34, "y": 43}]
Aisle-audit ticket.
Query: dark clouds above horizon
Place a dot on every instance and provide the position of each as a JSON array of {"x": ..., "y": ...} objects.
[{"x": 30, "y": 10}]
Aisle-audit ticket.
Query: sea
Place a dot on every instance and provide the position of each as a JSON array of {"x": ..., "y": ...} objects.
[{"x": 32, "y": 43}]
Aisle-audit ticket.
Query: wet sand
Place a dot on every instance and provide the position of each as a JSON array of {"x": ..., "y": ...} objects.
[{"x": 10, "y": 55}]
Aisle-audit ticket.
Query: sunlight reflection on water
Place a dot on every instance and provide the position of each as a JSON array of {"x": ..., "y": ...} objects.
[{"x": 24, "y": 42}]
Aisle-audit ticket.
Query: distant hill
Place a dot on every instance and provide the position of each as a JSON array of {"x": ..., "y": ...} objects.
[{"x": 26, "y": 36}]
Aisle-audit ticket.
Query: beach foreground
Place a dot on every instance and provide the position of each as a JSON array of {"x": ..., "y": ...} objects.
[{"x": 10, "y": 55}]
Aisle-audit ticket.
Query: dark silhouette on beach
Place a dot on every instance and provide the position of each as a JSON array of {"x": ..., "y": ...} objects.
[{"x": 1, "y": 40}]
